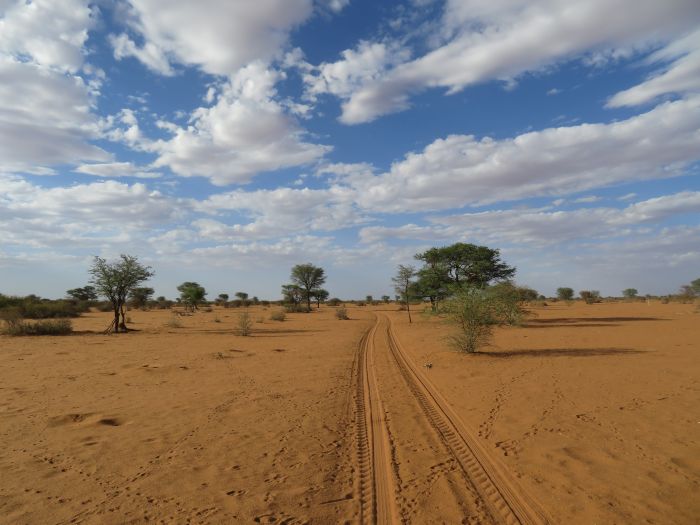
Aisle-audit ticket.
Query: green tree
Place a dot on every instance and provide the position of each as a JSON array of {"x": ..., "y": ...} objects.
[
  {"x": 565, "y": 294},
  {"x": 630, "y": 293},
  {"x": 292, "y": 295},
  {"x": 222, "y": 298},
  {"x": 320, "y": 296},
  {"x": 86, "y": 293},
  {"x": 115, "y": 280},
  {"x": 468, "y": 264},
  {"x": 590, "y": 296},
  {"x": 308, "y": 278},
  {"x": 140, "y": 296},
  {"x": 191, "y": 294},
  {"x": 695, "y": 286},
  {"x": 433, "y": 283},
  {"x": 403, "y": 284},
  {"x": 369, "y": 299},
  {"x": 386, "y": 298},
  {"x": 242, "y": 296}
]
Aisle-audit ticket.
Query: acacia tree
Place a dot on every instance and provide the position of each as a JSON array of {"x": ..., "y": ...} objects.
[
  {"x": 308, "y": 278},
  {"x": 565, "y": 293},
  {"x": 86, "y": 293},
  {"x": 140, "y": 296},
  {"x": 242, "y": 296},
  {"x": 292, "y": 294},
  {"x": 115, "y": 280},
  {"x": 403, "y": 283},
  {"x": 191, "y": 294},
  {"x": 320, "y": 296},
  {"x": 467, "y": 264},
  {"x": 630, "y": 293}
]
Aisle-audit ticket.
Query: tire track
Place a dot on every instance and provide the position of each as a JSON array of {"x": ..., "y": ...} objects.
[
  {"x": 504, "y": 501},
  {"x": 375, "y": 475}
]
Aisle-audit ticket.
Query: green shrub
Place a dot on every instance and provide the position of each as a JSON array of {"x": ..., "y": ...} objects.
[
  {"x": 590, "y": 296},
  {"x": 476, "y": 311},
  {"x": 342, "y": 313},
  {"x": 278, "y": 315},
  {"x": 334, "y": 301}
]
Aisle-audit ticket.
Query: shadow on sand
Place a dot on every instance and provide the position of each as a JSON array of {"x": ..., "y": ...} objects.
[{"x": 561, "y": 352}]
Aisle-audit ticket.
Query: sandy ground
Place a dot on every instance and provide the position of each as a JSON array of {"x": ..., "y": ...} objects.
[{"x": 591, "y": 411}]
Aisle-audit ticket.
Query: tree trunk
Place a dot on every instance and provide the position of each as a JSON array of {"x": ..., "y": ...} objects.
[
  {"x": 123, "y": 323},
  {"x": 116, "y": 319},
  {"x": 408, "y": 307}
]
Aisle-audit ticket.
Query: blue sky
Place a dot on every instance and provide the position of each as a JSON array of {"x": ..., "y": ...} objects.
[{"x": 225, "y": 141}]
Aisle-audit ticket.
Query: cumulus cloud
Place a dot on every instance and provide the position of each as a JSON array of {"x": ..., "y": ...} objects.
[
  {"x": 219, "y": 36},
  {"x": 45, "y": 119},
  {"x": 46, "y": 107},
  {"x": 246, "y": 132},
  {"x": 369, "y": 61},
  {"x": 539, "y": 226},
  {"x": 501, "y": 40},
  {"x": 50, "y": 33},
  {"x": 461, "y": 170},
  {"x": 278, "y": 212}
]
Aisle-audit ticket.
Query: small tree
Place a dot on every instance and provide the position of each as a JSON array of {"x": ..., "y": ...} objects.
[
  {"x": 307, "y": 278},
  {"x": 320, "y": 296},
  {"x": 386, "y": 298},
  {"x": 630, "y": 293},
  {"x": 369, "y": 299},
  {"x": 565, "y": 294},
  {"x": 695, "y": 286},
  {"x": 242, "y": 296},
  {"x": 590, "y": 296},
  {"x": 86, "y": 293},
  {"x": 115, "y": 280},
  {"x": 222, "y": 299},
  {"x": 191, "y": 295},
  {"x": 403, "y": 281},
  {"x": 245, "y": 323},
  {"x": 140, "y": 296}
]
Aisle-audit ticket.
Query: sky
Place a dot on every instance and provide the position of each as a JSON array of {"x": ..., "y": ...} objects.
[{"x": 225, "y": 141}]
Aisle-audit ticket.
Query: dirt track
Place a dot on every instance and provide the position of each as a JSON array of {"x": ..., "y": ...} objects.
[{"x": 396, "y": 433}]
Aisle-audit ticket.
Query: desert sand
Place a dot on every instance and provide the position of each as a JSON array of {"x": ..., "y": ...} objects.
[{"x": 587, "y": 414}]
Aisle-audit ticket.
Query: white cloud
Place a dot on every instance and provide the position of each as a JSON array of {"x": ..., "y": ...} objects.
[
  {"x": 150, "y": 55},
  {"x": 117, "y": 169},
  {"x": 501, "y": 40},
  {"x": 680, "y": 77},
  {"x": 82, "y": 215},
  {"x": 45, "y": 119},
  {"x": 219, "y": 36},
  {"x": 246, "y": 132},
  {"x": 278, "y": 212},
  {"x": 541, "y": 227},
  {"x": 356, "y": 68},
  {"x": 51, "y": 33},
  {"x": 587, "y": 199},
  {"x": 460, "y": 170},
  {"x": 46, "y": 108}
]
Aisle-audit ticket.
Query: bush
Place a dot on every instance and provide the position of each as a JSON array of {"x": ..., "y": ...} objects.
[
  {"x": 590, "y": 296},
  {"x": 42, "y": 327},
  {"x": 294, "y": 308},
  {"x": 278, "y": 315},
  {"x": 475, "y": 311},
  {"x": 173, "y": 322},
  {"x": 32, "y": 307},
  {"x": 334, "y": 301},
  {"x": 342, "y": 313},
  {"x": 245, "y": 324},
  {"x": 360, "y": 303}
]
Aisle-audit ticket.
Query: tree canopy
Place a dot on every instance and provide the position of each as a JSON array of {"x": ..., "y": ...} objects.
[
  {"x": 86, "y": 293},
  {"x": 469, "y": 264}
]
